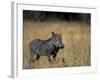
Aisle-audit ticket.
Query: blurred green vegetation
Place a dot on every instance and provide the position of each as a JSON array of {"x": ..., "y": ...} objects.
[{"x": 56, "y": 16}]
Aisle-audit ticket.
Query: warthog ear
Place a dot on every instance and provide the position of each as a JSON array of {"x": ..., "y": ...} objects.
[{"x": 53, "y": 33}]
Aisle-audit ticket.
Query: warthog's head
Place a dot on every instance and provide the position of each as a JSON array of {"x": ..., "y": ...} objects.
[{"x": 57, "y": 40}]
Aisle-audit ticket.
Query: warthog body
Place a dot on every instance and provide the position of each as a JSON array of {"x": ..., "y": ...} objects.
[{"x": 47, "y": 48}]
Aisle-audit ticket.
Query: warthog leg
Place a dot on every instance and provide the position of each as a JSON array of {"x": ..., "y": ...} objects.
[
  {"x": 49, "y": 58},
  {"x": 54, "y": 57},
  {"x": 37, "y": 57}
]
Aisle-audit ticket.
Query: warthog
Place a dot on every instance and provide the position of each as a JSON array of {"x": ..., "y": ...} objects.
[{"x": 47, "y": 48}]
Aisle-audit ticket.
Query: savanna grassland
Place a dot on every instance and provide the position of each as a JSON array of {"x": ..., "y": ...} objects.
[{"x": 75, "y": 36}]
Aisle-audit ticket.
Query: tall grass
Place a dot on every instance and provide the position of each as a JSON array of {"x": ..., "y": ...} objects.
[{"x": 75, "y": 36}]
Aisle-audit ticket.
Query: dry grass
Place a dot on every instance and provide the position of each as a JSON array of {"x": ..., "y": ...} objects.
[{"x": 75, "y": 36}]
